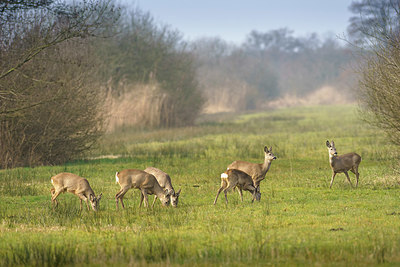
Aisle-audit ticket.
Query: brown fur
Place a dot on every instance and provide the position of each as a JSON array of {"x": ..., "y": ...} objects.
[
  {"x": 255, "y": 170},
  {"x": 239, "y": 179},
  {"x": 344, "y": 163},
  {"x": 165, "y": 182},
  {"x": 74, "y": 184},
  {"x": 145, "y": 182}
]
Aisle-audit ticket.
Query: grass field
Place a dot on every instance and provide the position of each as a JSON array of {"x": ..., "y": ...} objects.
[{"x": 299, "y": 220}]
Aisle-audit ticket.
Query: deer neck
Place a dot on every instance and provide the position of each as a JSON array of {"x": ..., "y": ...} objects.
[
  {"x": 158, "y": 191},
  {"x": 332, "y": 159},
  {"x": 266, "y": 165},
  {"x": 89, "y": 192}
]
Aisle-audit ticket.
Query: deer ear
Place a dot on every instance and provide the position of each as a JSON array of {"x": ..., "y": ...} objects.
[
  {"x": 270, "y": 149},
  {"x": 177, "y": 193},
  {"x": 266, "y": 149},
  {"x": 99, "y": 196},
  {"x": 327, "y": 143},
  {"x": 167, "y": 193},
  {"x": 333, "y": 143}
]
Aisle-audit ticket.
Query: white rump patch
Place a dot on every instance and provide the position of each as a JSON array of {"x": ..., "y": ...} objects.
[
  {"x": 116, "y": 178},
  {"x": 224, "y": 175},
  {"x": 227, "y": 168},
  {"x": 52, "y": 181}
]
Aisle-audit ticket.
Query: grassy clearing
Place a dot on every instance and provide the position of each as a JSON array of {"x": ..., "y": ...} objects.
[{"x": 299, "y": 220}]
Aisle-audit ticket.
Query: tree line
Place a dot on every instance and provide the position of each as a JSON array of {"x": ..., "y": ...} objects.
[
  {"x": 64, "y": 65},
  {"x": 71, "y": 70},
  {"x": 269, "y": 65}
]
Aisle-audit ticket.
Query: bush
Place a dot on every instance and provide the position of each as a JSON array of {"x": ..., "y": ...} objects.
[
  {"x": 379, "y": 83},
  {"x": 50, "y": 101},
  {"x": 146, "y": 56}
]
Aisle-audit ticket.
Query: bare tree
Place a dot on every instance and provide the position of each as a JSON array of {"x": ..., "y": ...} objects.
[
  {"x": 379, "y": 83},
  {"x": 151, "y": 64},
  {"x": 372, "y": 18},
  {"x": 49, "y": 99}
]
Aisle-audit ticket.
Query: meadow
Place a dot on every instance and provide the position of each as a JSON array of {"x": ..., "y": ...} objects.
[{"x": 299, "y": 220}]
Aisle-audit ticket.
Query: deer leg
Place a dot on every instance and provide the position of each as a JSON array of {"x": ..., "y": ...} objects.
[
  {"x": 120, "y": 195},
  {"x": 253, "y": 190},
  {"x": 117, "y": 198},
  {"x": 83, "y": 197},
  {"x": 52, "y": 191},
  {"x": 144, "y": 195},
  {"x": 357, "y": 176},
  {"x": 223, "y": 185},
  {"x": 355, "y": 171},
  {"x": 155, "y": 197},
  {"x": 348, "y": 178},
  {"x": 241, "y": 194},
  {"x": 54, "y": 196},
  {"x": 333, "y": 178},
  {"x": 87, "y": 204},
  {"x": 122, "y": 201},
  {"x": 219, "y": 191},
  {"x": 257, "y": 184},
  {"x": 229, "y": 187},
  {"x": 141, "y": 199},
  {"x": 226, "y": 195}
]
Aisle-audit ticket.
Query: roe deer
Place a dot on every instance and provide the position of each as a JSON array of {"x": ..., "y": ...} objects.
[
  {"x": 165, "y": 182},
  {"x": 343, "y": 163},
  {"x": 235, "y": 178},
  {"x": 255, "y": 170},
  {"x": 69, "y": 182},
  {"x": 145, "y": 182}
]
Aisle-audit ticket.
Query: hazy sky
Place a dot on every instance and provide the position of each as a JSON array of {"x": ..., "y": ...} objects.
[{"x": 232, "y": 20}]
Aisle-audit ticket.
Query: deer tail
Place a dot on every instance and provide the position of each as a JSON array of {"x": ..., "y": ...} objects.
[{"x": 116, "y": 178}]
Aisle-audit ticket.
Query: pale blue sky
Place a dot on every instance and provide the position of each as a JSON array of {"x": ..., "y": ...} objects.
[{"x": 232, "y": 20}]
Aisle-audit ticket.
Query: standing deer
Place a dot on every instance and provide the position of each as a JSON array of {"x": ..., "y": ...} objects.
[
  {"x": 343, "y": 163},
  {"x": 145, "y": 182},
  {"x": 69, "y": 182},
  {"x": 235, "y": 178},
  {"x": 255, "y": 170},
  {"x": 165, "y": 182}
]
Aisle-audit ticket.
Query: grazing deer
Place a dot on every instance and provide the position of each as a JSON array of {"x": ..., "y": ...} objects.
[
  {"x": 143, "y": 181},
  {"x": 235, "y": 178},
  {"x": 256, "y": 171},
  {"x": 165, "y": 182},
  {"x": 343, "y": 163},
  {"x": 69, "y": 182}
]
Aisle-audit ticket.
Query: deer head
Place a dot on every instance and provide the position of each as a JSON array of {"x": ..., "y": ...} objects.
[
  {"x": 174, "y": 198},
  {"x": 331, "y": 148},
  {"x": 94, "y": 201},
  {"x": 268, "y": 154}
]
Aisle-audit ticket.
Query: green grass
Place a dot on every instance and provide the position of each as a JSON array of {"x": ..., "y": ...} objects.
[{"x": 299, "y": 220}]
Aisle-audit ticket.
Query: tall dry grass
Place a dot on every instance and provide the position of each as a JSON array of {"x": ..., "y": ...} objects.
[
  {"x": 233, "y": 99},
  {"x": 138, "y": 105},
  {"x": 326, "y": 95}
]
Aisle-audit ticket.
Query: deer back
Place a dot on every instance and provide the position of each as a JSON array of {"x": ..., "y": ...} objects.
[
  {"x": 134, "y": 178},
  {"x": 345, "y": 162},
  {"x": 239, "y": 177},
  {"x": 71, "y": 183},
  {"x": 253, "y": 169},
  {"x": 242, "y": 180},
  {"x": 162, "y": 178}
]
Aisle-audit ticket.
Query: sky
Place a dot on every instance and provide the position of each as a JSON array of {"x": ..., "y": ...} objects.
[{"x": 233, "y": 20}]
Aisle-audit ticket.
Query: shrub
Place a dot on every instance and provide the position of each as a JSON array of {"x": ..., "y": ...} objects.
[{"x": 50, "y": 102}]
